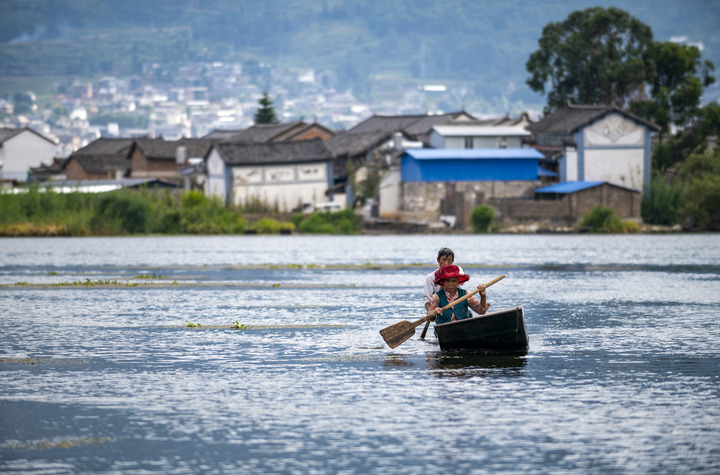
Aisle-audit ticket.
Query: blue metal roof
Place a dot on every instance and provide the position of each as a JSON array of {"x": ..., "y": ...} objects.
[
  {"x": 472, "y": 153},
  {"x": 545, "y": 172},
  {"x": 569, "y": 187}
]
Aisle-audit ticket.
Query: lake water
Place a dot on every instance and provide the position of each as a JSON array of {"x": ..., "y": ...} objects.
[{"x": 622, "y": 374}]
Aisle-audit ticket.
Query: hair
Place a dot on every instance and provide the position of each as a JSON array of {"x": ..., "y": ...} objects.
[{"x": 444, "y": 252}]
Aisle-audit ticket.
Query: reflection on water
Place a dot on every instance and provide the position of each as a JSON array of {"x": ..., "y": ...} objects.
[
  {"x": 288, "y": 372},
  {"x": 474, "y": 363}
]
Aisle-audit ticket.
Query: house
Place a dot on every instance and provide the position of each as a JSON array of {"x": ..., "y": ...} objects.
[
  {"x": 597, "y": 143},
  {"x": 477, "y": 136},
  {"x": 355, "y": 151},
  {"x": 452, "y": 182},
  {"x": 102, "y": 159},
  {"x": 164, "y": 159},
  {"x": 285, "y": 175},
  {"x": 22, "y": 149},
  {"x": 565, "y": 204}
]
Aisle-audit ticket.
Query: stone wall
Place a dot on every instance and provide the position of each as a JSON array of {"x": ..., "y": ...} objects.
[
  {"x": 514, "y": 202},
  {"x": 427, "y": 201}
]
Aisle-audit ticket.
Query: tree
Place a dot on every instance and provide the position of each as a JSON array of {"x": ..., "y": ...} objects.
[
  {"x": 676, "y": 82},
  {"x": 595, "y": 56},
  {"x": 266, "y": 112}
]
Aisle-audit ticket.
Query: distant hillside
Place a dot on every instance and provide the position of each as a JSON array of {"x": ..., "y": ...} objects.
[{"x": 482, "y": 44}]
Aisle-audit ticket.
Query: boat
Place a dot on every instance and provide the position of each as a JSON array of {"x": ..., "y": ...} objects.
[{"x": 498, "y": 331}]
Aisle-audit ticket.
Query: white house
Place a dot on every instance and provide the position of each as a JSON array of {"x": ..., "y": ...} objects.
[
  {"x": 283, "y": 174},
  {"x": 477, "y": 136},
  {"x": 21, "y": 149},
  {"x": 598, "y": 143}
]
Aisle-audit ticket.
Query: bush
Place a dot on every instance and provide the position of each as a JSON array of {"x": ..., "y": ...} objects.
[
  {"x": 601, "y": 219},
  {"x": 702, "y": 205},
  {"x": 481, "y": 217},
  {"x": 662, "y": 204},
  {"x": 339, "y": 222}
]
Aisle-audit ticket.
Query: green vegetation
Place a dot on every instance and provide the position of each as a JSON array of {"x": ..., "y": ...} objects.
[
  {"x": 239, "y": 326},
  {"x": 687, "y": 194},
  {"x": 339, "y": 222},
  {"x": 193, "y": 325},
  {"x": 266, "y": 111},
  {"x": 481, "y": 217},
  {"x": 128, "y": 212},
  {"x": 601, "y": 219}
]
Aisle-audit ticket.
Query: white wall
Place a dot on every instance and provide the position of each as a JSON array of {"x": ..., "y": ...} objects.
[
  {"x": 614, "y": 152},
  {"x": 390, "y": 193},
  {"x": 288, "y": 186},
  {"x": 23, "y": 151},
  {"x": 215, "y": 183},
  {"x": 621, "y": 167},
  {"x": 571, "y": 165}
]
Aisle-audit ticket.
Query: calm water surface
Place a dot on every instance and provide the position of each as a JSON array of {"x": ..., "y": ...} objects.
[{"x": 622, "y": 374}]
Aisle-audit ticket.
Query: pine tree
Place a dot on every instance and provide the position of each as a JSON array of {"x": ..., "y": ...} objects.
[{"x": 266, "y": 112}]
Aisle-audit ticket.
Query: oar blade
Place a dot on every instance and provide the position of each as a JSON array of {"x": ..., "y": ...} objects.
[{"x": 397, "y": 334}]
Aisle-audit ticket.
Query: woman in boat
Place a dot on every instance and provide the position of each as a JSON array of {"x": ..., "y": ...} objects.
[{"x": 450, "y": 277}]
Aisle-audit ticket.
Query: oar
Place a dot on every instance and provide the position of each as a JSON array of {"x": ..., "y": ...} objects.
[{"x": 395, "y": 335}]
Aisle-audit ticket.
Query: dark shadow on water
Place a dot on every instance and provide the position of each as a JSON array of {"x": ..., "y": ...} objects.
[{"x": 467, "y": 364}]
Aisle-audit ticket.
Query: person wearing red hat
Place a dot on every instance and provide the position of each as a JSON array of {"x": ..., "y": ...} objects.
[{"x": 450, "y": 277}]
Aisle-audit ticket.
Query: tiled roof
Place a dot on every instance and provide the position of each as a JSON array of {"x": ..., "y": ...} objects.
[
  {"x": 296, "y": 151},
  {"x": 107, "y": 146},
  {"x": 7, "y": 133},
  {"x": 102, "y": 163},
  {"x": 259, "y": 133},
  {"x": 159, "y": 149},
  {"x": 352, "y": 144},
  {"x": 568, "y": 119}
]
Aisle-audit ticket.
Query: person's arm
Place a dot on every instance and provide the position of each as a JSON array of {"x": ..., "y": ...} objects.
[
  {"x": 429, "y": 290},
  {"x": 434, "y": 306},
  {"x": 479, "y": 307}
]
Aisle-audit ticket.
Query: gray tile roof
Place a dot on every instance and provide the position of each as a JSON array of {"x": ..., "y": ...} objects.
[
  {"x": 102, "y": 163},
  {"x": 568, "y": 119},
  {"x": 7, "y": 133},
  {"x": 413, "y": 125},
  {"x": 107, "y": 146},
  {"x": 354, "y": 144},
  {"x": 259, "y": 133},
  {"x": 297, "y": 151},
  {"x": 159, "y": 149}
]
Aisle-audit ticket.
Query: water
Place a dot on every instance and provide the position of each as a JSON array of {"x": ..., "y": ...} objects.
[{"x": 622, "y": 374}]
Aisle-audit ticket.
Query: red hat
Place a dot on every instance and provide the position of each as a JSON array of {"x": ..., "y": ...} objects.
[{"x": 445, "y": 272}]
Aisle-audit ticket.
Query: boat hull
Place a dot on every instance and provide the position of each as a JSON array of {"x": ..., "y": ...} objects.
[{"x": 501, "y": 330}]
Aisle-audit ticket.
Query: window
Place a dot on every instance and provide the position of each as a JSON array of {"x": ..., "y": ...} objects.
[
  {"x": 501, "y": 142},
  {"x": 468, "y": 142}
]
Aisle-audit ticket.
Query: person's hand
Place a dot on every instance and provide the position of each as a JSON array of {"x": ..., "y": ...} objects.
[{"x": 481, "y": 288}]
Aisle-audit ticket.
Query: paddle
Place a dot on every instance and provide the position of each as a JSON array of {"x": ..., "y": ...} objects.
[{"x": 395, "y": 335}]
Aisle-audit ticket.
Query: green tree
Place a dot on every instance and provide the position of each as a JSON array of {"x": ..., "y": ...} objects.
[
  {"x": 677, "y": 78},
  {"x": 595, "y": 56},
  {"x": 266, "y": 112},
  {"x": 689, "y": 140}
]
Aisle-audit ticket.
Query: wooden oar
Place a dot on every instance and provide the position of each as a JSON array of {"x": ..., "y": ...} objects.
[{"x": 395, "y": 335}]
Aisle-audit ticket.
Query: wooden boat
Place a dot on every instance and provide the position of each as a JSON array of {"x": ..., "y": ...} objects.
[{"x": 498, "y": 331}]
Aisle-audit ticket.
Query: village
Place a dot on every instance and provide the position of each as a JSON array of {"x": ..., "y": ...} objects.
[{"x": 402, "y": 173}]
